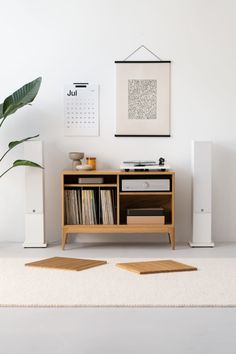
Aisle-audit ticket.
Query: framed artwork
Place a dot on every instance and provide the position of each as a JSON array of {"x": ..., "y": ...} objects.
[{"x": 142, "y": 98}]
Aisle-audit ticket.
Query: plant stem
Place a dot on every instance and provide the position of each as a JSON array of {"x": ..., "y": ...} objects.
[
  {"x": 4, "y": 155},
  {"x": 18, "y": 143},
  {"x": 2, "y": 121},
  {"x": 6, "y": 171}
]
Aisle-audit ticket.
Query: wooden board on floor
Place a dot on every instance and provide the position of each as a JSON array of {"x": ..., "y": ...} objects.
[
  {"x": 163, "y": 266},
  {"x": 66, "y": 263}
]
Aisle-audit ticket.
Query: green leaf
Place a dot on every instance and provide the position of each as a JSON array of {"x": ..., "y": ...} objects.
[
  {"x": 26, "y": 163},
  {"x": 21, "y": 163},
  {"x": 21, "y": 97},
  {"x": 1, "y": 110},
  {"x": 12, "y": 144}
]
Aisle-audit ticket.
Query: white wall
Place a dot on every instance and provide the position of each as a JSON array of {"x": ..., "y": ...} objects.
[{"x": 73, "y": 40}]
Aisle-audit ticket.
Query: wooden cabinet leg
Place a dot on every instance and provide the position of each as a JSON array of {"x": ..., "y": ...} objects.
[
  {"x": 172, "y": 238},
  {"x": 64, "y": 239}
]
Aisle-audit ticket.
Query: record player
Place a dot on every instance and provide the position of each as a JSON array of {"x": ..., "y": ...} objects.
[{"x": 144, "y": 165}]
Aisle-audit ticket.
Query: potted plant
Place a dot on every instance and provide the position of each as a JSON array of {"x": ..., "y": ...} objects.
[{"x": 24, "y": 96}]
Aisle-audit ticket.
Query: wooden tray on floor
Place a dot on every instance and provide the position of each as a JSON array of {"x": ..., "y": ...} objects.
[
  {"x": 163, "y": 266},
  {"x": 66, "y": 263}
]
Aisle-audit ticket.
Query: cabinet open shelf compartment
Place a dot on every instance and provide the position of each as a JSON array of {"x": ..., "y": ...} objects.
[
  {"x": 135, "y": 201},
  {"x": 84, "y": 205},
  {"x": 122, "y": 201},
  {"x": 73, "y": 179}
]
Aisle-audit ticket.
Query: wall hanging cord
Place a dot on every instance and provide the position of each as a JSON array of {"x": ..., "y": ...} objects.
[{"x": 142, "y": 46}]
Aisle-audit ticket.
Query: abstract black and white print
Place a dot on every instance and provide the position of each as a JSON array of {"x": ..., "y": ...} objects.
[{"x": 142, "y": 99}]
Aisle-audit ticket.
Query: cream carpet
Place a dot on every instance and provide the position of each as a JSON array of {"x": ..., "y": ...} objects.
[{"x": 214, "y": 284}]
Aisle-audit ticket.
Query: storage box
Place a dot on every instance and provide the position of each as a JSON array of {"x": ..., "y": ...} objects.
[
  {"x": 160, "y": 220},
  {"x": 91, "y": 180},
  {"x": 145, "y": 212}
]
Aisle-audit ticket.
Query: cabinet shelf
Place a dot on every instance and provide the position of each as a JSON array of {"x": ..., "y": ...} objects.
[
  {"x": 100, "y": 185},
  {"x": 124, "y": 228},
  {"x": 146, "y": 193},
  {"x": 121, "y": 202}
]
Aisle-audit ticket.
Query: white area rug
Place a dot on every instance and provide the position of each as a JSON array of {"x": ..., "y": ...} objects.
[{"x": 214, "y": 284}]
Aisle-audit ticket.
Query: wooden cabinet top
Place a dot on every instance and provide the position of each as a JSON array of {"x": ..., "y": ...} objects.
[{"x": 116, "y": 172}]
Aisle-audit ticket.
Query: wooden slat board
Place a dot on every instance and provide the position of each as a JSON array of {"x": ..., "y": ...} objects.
[
  {"x": 66, "y": 263},
  {"x": 149, "y": 267}
]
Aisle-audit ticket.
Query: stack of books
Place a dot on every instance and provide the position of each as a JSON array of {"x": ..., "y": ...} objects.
[{"x": 146, "y": 216}]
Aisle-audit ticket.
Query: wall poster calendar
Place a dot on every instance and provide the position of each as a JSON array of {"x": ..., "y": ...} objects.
[{"x": 81, "y": 109}]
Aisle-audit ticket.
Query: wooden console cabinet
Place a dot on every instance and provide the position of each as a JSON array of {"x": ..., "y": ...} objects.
[{"x": 123, "y": 200}]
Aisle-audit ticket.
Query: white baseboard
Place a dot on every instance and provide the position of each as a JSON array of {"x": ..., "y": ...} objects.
[
  {"x": 34, "y": 245},
  {"x": 201, "y": 244}
]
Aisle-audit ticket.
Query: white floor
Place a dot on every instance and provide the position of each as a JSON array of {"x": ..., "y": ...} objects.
[
  {"x": 117, "y": 250},
  {"x": 117, "y": 330}
]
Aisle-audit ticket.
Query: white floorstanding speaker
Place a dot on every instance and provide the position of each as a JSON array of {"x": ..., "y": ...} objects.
[
  {"x": 34, "y": 196},
  {"x": 202, "y": 194}
]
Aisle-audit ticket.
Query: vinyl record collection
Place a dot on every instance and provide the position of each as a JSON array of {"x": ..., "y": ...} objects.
[{"x": 90, "y": 206}]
